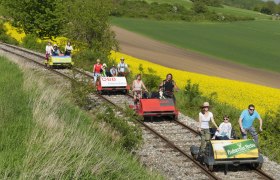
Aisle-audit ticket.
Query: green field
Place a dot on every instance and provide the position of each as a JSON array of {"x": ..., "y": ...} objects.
[
  {"x": 225, "y": 9},
  {"x": 253, "y": 43}
]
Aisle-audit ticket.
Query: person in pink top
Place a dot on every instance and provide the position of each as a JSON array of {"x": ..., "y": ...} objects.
[{"x": 137, "y": 86}]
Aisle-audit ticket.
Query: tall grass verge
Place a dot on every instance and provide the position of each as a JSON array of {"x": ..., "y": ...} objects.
[
  {"x": 15, "y": 119},
  {"x": 63, "y": 141}
]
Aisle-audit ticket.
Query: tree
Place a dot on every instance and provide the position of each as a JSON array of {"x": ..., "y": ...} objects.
[
  {"x": 199, "y": 6},
  {"x": 42, "y": 18},
  {"x": 88, "y": 23}
]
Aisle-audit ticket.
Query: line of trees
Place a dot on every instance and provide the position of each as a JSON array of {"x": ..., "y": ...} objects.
[
  {"x": 84, "y": 21},
  {"x": 268, "y": 7}
]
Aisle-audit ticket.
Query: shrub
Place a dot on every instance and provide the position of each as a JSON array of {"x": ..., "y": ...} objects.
[
  {"x": 131, "y": 135},
  {"x": 31, "y": 42},
  {"x": 5, "y": 38}
]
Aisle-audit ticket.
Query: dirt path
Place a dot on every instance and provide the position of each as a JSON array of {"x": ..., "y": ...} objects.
[{"x": 170, "y": 56}]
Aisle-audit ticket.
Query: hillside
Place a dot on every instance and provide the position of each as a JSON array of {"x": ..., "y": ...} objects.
[{"x": 225, "y": 9}]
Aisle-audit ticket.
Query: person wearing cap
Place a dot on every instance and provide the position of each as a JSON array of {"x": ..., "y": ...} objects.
[
  {"x": 246, "y": 121},
  {"x": 113, "y": 71},
  {"x": 49, "y": 50},
  {"x": 205, "y": 116},
  {"x": 97, "y": 69},
  {"x": 225, "y": 130},
  {"x": 123, "y": 68},
  {"x": 56, "y": 50}
]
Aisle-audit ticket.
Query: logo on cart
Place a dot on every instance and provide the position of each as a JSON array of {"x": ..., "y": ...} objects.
[
  {"x": 108, "y": 78},
  {"x": 239, "y": 148}
]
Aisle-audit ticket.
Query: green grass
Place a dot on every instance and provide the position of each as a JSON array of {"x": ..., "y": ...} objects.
[
  {"x": 45, "y": 136},
  {"x": 15, "y": 117},
  {"x": 228, "y": 10},
  {"x": 252, "y": 43}
]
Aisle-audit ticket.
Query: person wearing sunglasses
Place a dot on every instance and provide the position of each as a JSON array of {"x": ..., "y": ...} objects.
[
  {"x": 246, "y": 121},
  {"x": 225, "y": 130}
]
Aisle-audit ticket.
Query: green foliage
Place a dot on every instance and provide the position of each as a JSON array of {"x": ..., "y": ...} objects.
[
  {"x": 31, "y": 42},
  {"x": 163, "y": 10},
  {"x": 248, "y": 4},
  {"x": 16, "y": 118},
  {"x": 199, "y": 7},
  {"x": 5, "y": 38},
  {"x": 268, "y": 7},
  {"x": 131, "y": 135},
  {"x": 269, "y": 138},
  {"x": 142, "y": 9},
  {"x": 214, "y": 3},
  {"x": 150, "y": 79},
  {"x": 43, "y": 18},
  {"x": 80, "y": 94},
  {"x": 88, "y": 23}
]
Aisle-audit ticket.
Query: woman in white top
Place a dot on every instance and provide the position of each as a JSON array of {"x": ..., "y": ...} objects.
[
  {"x": 49, "y": 50},
  {"x": 225, "y": 130},
  {"x": 68, "y": 49},
  {"x": 205, "y": 116},
  {"x": 137, "y": 86}
]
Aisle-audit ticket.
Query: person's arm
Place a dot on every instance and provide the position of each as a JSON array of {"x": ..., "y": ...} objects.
[
  {"x": 229, "y": 131},
  {"x": 213, "y": 121},
  {"x": 161, "y": 84},
  {"x": 240, "y": 123},
  {"x": 126, "y": 66},
  {"x": 93, "y": 70},
  {"x": 175, "y": 86},
  {"x": 261, "y": 121},
  {"x": 199, "y": 123},
  {"x": 144, "y": 86}
]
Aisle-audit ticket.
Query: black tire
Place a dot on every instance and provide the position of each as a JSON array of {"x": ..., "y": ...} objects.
[{"x": 257, "y": 165}]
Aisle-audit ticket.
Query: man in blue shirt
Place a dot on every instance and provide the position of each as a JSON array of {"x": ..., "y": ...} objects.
[{"x": 246, "y": 120}]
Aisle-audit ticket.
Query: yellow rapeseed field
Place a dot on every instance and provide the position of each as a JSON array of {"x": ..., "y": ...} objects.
[{"x": 235, "y": 93}]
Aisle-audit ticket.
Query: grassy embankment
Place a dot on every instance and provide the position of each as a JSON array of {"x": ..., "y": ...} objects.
[
  {"x": 228, "y": 10},
  {"x": 253, "y": 43},
  {"x": 43, "y": 135}
]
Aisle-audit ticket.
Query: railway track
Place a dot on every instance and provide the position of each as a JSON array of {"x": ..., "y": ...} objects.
[{"x": 175, "y": 137}]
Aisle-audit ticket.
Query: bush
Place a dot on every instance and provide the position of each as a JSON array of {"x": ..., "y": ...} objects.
[
  {"x": 131, "y": 135},
  {"x": 5, "y": 38},
  {"x": 150, "y": 79},
  {"x": 31, "y": 42}
]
